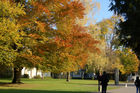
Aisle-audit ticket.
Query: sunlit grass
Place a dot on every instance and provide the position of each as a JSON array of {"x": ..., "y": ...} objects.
[{"x": 49, "y": 86}]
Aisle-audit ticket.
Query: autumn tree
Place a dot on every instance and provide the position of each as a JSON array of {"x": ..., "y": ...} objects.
[
  {"x": 129, "y": 61},
  {"x": 10, "y": 32},
  {"x": 104, "y": 33},
  {"x": 107, "y": 60},
  {"x": 69, "y": 45},
  {"x": 49, "y": 37}
]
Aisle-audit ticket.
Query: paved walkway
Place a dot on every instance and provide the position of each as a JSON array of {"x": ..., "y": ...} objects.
[{"x": 123, "y": 88}]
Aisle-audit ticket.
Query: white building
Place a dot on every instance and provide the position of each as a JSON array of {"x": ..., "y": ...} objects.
[{"x": 34, "y": 72}]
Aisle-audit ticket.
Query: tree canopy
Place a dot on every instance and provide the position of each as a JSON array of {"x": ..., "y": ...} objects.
[
  {"x": 129, "y": 28},
  {"x": 128, "y": 60},
  {"x": 44, "y": 34},
  {"x": 111, "y": 56},
  {"x": 10, "y": 31}
]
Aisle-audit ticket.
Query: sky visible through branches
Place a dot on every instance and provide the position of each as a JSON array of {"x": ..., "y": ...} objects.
[{"x": 103, "y": 12}]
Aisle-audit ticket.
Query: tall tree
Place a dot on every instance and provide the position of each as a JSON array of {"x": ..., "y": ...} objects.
[
  {"x": 52, "y": 38},
  {"x": 128, "y": 28},
  {"x": 10, "y": 32},
  {"x": 108, "y": 60},
  {"x": 63, "y": 52},
  {"x": 128, "y": 60},
  {"x": 104, "y": 32}
]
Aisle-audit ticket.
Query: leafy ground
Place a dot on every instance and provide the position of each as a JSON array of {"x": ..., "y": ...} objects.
[{"x": 49, "y": 86}]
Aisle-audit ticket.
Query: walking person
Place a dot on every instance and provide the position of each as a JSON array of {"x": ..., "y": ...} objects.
[
  {"x": 99, "y": 81},
  {"x": 137, "y": 84},
  {"x": 104, "y": 82}
]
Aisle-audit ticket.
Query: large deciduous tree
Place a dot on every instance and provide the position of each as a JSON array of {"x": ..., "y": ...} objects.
[
  {"x": 45, "y": 34},
  {"x": 128, "y": 28},
  {"x": 104, "y": 32},
  {"x": 128, "y": 60},
  {"x": 107, "y": 60},
  {"x": 10, "y": 32},
  {"x": 68, "y": 43}
]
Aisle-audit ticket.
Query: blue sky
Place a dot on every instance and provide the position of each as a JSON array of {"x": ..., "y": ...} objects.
[{"x": 103, "y": 13}]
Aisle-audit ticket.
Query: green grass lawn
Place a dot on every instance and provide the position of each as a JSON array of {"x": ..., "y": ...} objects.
[{"x": 49, "y": 86}]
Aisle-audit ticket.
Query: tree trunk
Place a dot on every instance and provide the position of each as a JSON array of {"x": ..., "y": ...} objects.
[
  {"x": 116, "y": 76},
  {"x": 42, "y": 75},
  {"x": 36, "y": 71},
  {"x": 68, "y": 77},
  {"x": 17, "y": 75},
  {"x": 82, "y": 75}
]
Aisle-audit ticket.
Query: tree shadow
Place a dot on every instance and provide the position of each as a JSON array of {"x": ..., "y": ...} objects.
[{"x": 37, "y": 91}]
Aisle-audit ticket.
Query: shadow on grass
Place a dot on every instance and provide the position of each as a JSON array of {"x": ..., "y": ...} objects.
[{"x": 37, "y": 91}]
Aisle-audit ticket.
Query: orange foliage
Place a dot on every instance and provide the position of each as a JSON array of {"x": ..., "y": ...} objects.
[
  {"x": 35, "y": 36},
  {"x": 34, "y": 60},
  {"x": 40, "y": 7},
  {"x": 73, "y": 9},
  {"x": 66, "y": 48},
  {"x": 77, "y": 45}
]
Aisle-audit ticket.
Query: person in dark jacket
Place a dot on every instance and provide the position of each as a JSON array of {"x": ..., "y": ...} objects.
[
  {"x": 137, "y": 84},
  {"x": 99, "y": 80},
  {"x": 104, "y": 82}
]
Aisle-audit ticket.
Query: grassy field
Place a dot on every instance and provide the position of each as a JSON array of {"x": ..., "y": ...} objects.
[{"x": 49, "y": 86}]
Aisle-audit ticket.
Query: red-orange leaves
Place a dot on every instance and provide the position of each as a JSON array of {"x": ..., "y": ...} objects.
[
  {"x": 52, "y": 27},
  {"x": 73, "y": 9},
  {"x": 40, "y": 7},
  {"x": 77, "y": 45},
  {"x": 35, "y": 36},
  {"x": 40, "y": 26},
  {"x": 63, "y": 42},
  {"x": 84, "y": 39},
  {"x": 32, "y": 59}
]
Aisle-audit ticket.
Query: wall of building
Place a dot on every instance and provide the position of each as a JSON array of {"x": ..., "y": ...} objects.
[{"x": 32, "y": 72}]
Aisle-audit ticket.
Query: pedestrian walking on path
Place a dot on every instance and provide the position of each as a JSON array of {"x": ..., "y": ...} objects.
[
  {"x": 99, "y": 81},
  {"x": 104, "y": 82},
  {"x": 137, "y": 84}
]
